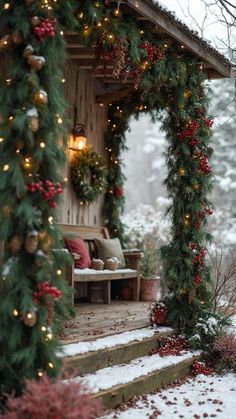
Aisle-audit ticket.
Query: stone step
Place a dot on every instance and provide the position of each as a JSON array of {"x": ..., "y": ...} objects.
[
  {"x": 120, "y": 383},
  {"x": 85, "y": 363}
]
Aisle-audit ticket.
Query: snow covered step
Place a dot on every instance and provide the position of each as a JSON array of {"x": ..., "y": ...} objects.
[
  {"x": 87, "y": 357},
  {"x": 119, "y": 383}
]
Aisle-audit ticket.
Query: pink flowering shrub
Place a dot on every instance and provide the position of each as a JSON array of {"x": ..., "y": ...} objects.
[
  {"x": 225, "y": 347},
  {"x": 52, "y": 399}
]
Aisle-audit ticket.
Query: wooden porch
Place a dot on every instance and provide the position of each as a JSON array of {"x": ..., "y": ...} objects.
[{"x": 99, "y": 320}]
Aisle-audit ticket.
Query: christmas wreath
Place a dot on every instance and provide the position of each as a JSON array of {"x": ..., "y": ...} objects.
[{"x": 88, "y": 175}]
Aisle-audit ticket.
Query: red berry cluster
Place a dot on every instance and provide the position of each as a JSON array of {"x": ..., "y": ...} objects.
[
  {"x": 193, "y": 246},
  {"x": 118, "y": 191},
  {"x": 204, "y": 165},
  {"x": 194, "y": 142},
  {"x": 201, "y": 215},
  {"x": 45, "y": 28},
  {"x": 199, "y": 367},
  {"x": 198, "y": 258},
  {"x": 46, "y": 289},
  {"x": 208, "y": 122},
  {"x": 158, "y": 313},
  {"x": 48, "y": 190},
  {"x": 197, "y": 279},
  {"x": 189, "y": 131},
  {"x": 153, "y": 53},
  {"x": 174, "y": 345}
]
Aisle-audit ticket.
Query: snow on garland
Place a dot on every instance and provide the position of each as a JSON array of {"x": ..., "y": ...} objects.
[{"x": 88, "y": 175}]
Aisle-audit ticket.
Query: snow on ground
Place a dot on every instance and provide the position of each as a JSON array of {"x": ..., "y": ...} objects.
[
  {"x": 111, "y": 341},
  {"x": 121, "y": 374},
  {"x": 200, "y": 397}
]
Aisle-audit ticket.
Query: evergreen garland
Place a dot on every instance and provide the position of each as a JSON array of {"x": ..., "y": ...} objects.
[{"x": 33, "y": 111}]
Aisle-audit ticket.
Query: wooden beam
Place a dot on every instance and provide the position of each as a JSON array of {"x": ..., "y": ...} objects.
[
  {"x": 181, "y": 34},
  {"x": 113, "y": 96}
]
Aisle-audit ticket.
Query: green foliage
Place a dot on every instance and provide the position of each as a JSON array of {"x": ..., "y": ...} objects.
[
  {"x": 207, "y": 330},
  {"x": 149, "y": 262}
]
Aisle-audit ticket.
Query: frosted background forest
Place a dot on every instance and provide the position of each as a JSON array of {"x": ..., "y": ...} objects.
[{"x": 145, "y": 162}]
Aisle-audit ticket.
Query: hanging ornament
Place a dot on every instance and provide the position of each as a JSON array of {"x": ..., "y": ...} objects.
[
  {"x": 15, "y": 244},
  {"x": 30, "y": 318},
  {"x": 33, "y": 119},
  {"x": 182, "y": 171},
  {"x": 187, "y": 94},
  {"x": 31, "y": 242},
  {"x": 16, "y": 38},
  {"x": 196, "y": 186},
  {"x": 35, "y": 21},
  {"x": 29, "y": 50},
  {"x": 40, "y": 98},
  {"x": 36, "y": 62},
  {"x": 197, "y": 152},
  {"x": 186, "y": 220},
  {"x": 46, "y": 244},
  {"x": 210, "y": 151}
]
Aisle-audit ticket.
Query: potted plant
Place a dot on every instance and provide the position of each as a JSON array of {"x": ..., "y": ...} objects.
[{"x": 149, "y": 273}]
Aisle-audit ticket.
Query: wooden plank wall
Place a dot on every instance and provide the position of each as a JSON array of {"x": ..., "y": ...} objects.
[{"x": 81, "y": 90}]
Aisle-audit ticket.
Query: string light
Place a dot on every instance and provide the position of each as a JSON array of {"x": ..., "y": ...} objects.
[
  {"x": 8, "y": 81},
  {"x": 63, "y": 80},
  {"x": 15, "y": 312},
  {"x": 1, "y": 139},
  {"x": 6, "y": 6},
  {"x": 50, "y": 364},
  {"x": 40, "y": 373},
  {"x": 5, "y": 167},
  {"x": 59, "y": 272},
  {"x": 43, "y": 328},
  {"x": 61, "y": 33},
  {"x": 59, "y": 119},
  {"x": 50, "y": 220},
  {"x": 49, "y": 336},
  {"x": 65, "y": 179},
  {"x": 42, "y": 145}
]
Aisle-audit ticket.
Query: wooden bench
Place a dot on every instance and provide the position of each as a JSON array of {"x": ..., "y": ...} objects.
[{"x": 131, "y": 273}]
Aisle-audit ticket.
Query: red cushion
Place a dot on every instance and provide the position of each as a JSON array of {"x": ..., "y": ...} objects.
[{"x": 79, "y": 247}]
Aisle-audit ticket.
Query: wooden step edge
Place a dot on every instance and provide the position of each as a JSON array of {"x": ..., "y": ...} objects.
[
  {"x": 90, "y": 338},
  {"x": 116, "y": 395},
  {"x": 121, "y": 354}
]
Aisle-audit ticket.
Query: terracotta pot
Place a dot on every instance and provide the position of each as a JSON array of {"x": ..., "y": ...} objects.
[{"x": 148, "y": 290}]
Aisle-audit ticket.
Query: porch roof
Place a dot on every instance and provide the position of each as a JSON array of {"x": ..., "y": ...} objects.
[{"x": 166, "y": 27}]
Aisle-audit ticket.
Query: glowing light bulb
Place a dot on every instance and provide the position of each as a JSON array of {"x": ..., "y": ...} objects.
[
  {"x": 6, "y": 6},
  {"x": 50, "y": 364},
  {"x": 59, "y": 272},
  {"x": 50, "y": 220},
  {"x": 43, "y": 328},
  {"x": 42, "y": 145},
  {"x": 1, "y": 139},
  {"x": 5, "y": 167},
  {"x": 15, "y": 312}
]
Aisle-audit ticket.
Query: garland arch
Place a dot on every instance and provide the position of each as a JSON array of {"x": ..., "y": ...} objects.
[{"x": 166, "y": 78}]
